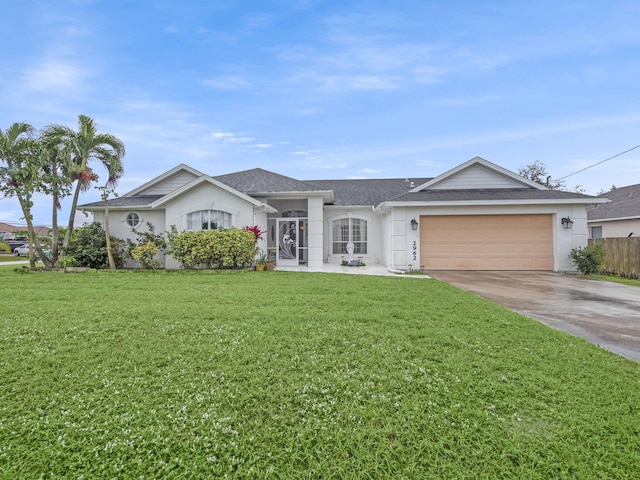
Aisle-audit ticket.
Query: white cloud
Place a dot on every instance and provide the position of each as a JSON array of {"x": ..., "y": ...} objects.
[
  {"x": 222, "y": 135},
  {"x": 55, "y": 75}
]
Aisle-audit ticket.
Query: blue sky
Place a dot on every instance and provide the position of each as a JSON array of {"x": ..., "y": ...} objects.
[{"x": 332, "y": 89}]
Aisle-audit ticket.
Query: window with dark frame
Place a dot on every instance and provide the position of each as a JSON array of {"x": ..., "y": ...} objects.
[
  {"x": 596, "y": 232},
  {"x": 133, "y": 219}
]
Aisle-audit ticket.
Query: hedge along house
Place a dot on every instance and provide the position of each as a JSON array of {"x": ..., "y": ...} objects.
[{"x": 477, "y": 216}]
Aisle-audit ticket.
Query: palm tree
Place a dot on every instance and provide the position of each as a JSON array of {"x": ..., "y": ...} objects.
[
  {"x": 19, "y": 176},
  {"x": 81, "y": 148},
  {"x": 56, "y": 182}
]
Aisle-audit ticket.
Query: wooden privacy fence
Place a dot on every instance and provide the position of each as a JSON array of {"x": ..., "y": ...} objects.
[{"x": 623, "y": 255}]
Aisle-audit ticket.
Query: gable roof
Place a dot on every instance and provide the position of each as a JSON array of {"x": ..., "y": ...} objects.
[
  {"x": 488, "y": 174},
  {"x": 199, "y": 181},
  {"x": 155, "y": 182},
  {"x": 455, "y": 186},
  {"x": 625, "y": 204}
]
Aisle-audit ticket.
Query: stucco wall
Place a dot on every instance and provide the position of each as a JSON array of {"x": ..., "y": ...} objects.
[
  {"x": 374, "y": 232},
  {"x": 618, "y": 228},
  {"x": 118, "y": 226},
  {"x": 208, "y": 197},
  {"x": 403, "y": 237},
  {"x": 315, "y": 233}
]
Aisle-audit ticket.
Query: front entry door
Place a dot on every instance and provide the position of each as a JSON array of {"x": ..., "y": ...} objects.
[{"x": 287, "y": 242}]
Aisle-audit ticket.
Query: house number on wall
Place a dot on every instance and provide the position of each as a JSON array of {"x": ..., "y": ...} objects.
[{"x": 415, "y": 250}]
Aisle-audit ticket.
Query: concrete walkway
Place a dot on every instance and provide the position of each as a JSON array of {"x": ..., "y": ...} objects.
[
  {"x": 604, "y": 313},
  {"x": 376, "y": 269},
  {"x": 15, "y": 262}
]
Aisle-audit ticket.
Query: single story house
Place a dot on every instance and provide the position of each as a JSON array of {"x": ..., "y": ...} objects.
[
  {"x": 476, "y": 216},
  {"x": 8, "y": 229},
  {"x": 620, "y": 217}
]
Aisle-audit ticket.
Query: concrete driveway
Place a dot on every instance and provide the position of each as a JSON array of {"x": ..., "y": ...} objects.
[{"x": 605, "y": 313}]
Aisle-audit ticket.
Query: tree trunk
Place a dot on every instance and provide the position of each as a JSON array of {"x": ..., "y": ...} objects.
[
  {"x": 26, "y": 210},
  {"x": 112, "y": 263},
  {"x": 74, "y": 206},
  {"x": 53, "y": 259}
]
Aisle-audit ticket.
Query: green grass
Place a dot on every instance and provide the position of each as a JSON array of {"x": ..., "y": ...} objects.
[
  {"x": 635, "y": 282},
  {"x": 296, "y": 375},
  {"x": 10, "y": 257}
]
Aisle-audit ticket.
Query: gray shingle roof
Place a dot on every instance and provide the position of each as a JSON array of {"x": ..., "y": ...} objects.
[
  {"x": 136, "y": 201},
  {"x": 625, "y": 203},
  {"x": 488, "y": 194},
  {"x": 355, "y": 192},
  {"x": 367, "y": 191},
  {"x": 257, "y": 180}
]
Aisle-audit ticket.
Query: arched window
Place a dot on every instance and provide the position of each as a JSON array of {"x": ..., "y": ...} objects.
[
  {"x": 208, "y": 220},
  {"x": 347, "y": 230}
]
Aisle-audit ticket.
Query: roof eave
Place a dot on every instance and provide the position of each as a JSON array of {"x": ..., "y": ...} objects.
[
  {"x": 423, "y": 203},
  {"x": 327, "y": 195},
  {"x": 617, "y": 219}
]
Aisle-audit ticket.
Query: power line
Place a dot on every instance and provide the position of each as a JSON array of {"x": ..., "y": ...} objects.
[{"x": 601, "y": 161}]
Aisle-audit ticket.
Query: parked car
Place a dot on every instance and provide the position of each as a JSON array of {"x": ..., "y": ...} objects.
[
  {"x": 24, "y": 250},
  {"x": 21, "y": 250}
]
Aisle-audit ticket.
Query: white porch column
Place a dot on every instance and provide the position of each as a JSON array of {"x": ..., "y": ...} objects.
[
  {"x": 315, "y": 234},
  {"x": 399, "y": 238}
]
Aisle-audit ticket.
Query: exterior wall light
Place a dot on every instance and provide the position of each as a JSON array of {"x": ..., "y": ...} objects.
[
  {"x": 414, "y": 224},
  {"x": 567, "y": 222}
]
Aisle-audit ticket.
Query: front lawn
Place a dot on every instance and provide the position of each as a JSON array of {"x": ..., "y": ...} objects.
[
  {"x": 294, "y": 375},
  {"x": 635, "y": 282},
  {"x": 10, "y": 257}
]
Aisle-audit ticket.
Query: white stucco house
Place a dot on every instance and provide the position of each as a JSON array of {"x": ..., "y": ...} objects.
[{"x": 477, "y": 216}]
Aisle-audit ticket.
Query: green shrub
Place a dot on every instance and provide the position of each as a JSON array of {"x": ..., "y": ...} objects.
[
  {"x": 589, "y": 259},
  {"x": 216, "y": 249},
  {"x": 67, "y": 261},
  {"x": 145, "y": 254},
  {"x": 4, "y": 247},
  {"x": 148, "y": 244},
  {"x": 89, "y": 248}
]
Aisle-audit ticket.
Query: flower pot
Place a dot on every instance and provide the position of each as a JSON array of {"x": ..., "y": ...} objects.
[{"x": 259, "y": 268}]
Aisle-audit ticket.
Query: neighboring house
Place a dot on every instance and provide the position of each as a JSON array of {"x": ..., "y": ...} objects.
[
  {"x": 477, "y": 216},
  {"x": 620, "y": 217},
  {"x": 41, "y": 231}
]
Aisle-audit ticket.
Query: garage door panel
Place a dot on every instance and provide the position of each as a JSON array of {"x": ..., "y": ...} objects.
[{"x": 487, "y": 242}]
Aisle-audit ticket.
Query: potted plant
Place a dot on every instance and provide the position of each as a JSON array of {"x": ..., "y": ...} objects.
[
  {"x": 262, "y": 261},
  {"x": 271, "y": 261}
]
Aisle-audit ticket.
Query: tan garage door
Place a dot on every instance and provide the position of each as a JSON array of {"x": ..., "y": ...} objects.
[{"x": 486, "y": 242}]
